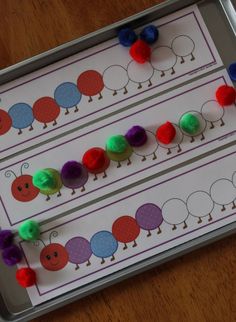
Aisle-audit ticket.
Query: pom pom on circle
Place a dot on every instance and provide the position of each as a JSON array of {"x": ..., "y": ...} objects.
[
  {"x": 127, "y": 37},
  {"x": 48, "y": 181},
  {"x": 116, "y": 144},
  {"x": 136, "y": 136},
  {"x": 140, "y": 51},
  {"x": 12, "y": 255},
  {"x": 6, "y": 238},
  {"x": 95, "y": 159},
  {"x": 74, "y": 175},
  {"x": 29, "y": 230},
  {"x": 71, "y": 170},
  {"x": 26, "y": 277},
  {"x": 44, "y": 179},
  {"x": 149, "y": 34},
  {"x": 189, "y": 123},
  {"x": 166, "y": 133},
  {"x": 232, "y": 71},
  {"x": 226, "y": 95}
]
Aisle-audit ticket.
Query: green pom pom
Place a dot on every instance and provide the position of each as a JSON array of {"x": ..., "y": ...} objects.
[
  {"x": 29, "y": 230},
  {"x": 47, "y": 180},
  {"x": 189, "y": 123},
  {"x": 116, "y": 144},
  {"x": 44, "y": 179}
]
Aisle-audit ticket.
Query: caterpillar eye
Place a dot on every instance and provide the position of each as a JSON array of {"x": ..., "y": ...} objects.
[
  {"x": 55, "y": 254},
  {"x": 27, "y": 186},
  {"x": 48, "y": 257},
  {"x": 19, "y": 188}
]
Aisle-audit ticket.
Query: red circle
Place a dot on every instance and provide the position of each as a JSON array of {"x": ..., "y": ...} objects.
[
  {"x": 26, "y": 277},
  {"x": 140, "y": 51},
  {"x": 166, "y": 133},
  {"x": 125, "y": 229},
  {"x": 54, "y": 257},
  {"x": 96, "y": 160},
  {"x": 46, "y": 110},
  {"x": 90, "y": 83},
  {"x": 226, "y": 95},
  {"x": 23, "y": 190},
  {"x": 5, "y": 122}
]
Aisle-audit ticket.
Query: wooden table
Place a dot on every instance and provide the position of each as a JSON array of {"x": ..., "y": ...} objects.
[{"x": 198, "y": 287}]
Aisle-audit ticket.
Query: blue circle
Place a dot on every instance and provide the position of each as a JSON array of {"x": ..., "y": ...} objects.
[
  {"x": 103, "y": 244},
  {"x": 21, "y": 115},
  {"x": 232, "y": 71},
  {"x": 67, "y": 95}
]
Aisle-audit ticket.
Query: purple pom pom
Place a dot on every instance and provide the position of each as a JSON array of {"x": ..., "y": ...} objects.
[
  {"x": 12, "y": 255},
  {"x": 71, "y": 170},
  {"x": 6, "y": 238},
  {"x": 136, "y": 136}
]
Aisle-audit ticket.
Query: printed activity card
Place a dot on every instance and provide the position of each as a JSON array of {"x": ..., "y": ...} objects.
[
  {"x": 21, "y": 200},
  {"x": 102, "y": 80},
  {"x": 131, "y": 226}
]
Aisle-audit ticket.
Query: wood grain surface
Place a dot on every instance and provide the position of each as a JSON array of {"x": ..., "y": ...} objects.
[{"x": 198, "y": 287}]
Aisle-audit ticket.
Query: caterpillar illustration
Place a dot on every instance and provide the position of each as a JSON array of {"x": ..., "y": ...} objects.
[
  {"x": 126, "y": 229},
  {"x": 90, "y": 83},
  {"x": 140, "y": 142}
]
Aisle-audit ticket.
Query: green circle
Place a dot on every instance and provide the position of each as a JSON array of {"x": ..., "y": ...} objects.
[
  {"x": 29, "y": 230},
  {"x": 120, "y": 156},
  {"x": 116, "y": 144},
  {"x": 189, "y": 123},
  {"x": 48, "y": 181}
]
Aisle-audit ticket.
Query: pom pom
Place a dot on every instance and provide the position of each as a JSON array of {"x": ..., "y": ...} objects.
[
  {"x": 11, "y": 255},
  {"x": 74, "y": 175},
  {"x": 6, "y": 238},
  {"x": 149, "y": 34},
  {"x": 136, "y": 136},
  {"x": 47, "y": 180},
  {"x": 166, "y": 133},
  {"x": 127, "y": 37},
  {"x": 26, "y": 277},
  {"x": 44, "y": 179},
  {"x": 140, "y": 52},
  {"x": 71, "y": 170},
  {"x": 95, "y": 159},
  {"x": 116, "y": 144},
  {"x": 226, "y": 95},
  {"x": 232, "y": 71},
  {"x": 189, "y": 123},
  {"x": 29, "y": 230}
]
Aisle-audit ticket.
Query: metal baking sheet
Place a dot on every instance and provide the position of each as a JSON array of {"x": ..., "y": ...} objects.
[{"x": 14, "y": 301}]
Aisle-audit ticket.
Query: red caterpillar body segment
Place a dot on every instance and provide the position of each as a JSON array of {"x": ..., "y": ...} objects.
[
  {"x": 46, "y": 110},
  {"x": 5, "y": 122}
]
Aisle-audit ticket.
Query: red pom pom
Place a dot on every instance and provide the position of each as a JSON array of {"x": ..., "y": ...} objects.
[
  {"x": 166, "y": 133},
  {"x": 140, "y": 51},
  {"x": 96, "y": 160},
  {"x": 226, "y": 95},
  {"x": 26, "y": 277}
]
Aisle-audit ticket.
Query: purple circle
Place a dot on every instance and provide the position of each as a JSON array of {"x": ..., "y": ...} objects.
[
  {"x": 79, "y": 250},
  {"x": 136, "y": 136},
  {"x": 149, "y": 216},
  {"x": 79, "y": 180}
]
